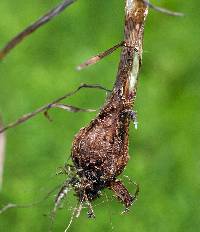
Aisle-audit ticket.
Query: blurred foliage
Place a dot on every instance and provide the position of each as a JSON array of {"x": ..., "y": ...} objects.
[{"x": 164, "y": 150}]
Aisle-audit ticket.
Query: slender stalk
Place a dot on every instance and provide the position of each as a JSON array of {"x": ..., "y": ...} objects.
[
  {"x": 12, "y": 205},
  {"x": 100, "y": 56},
  {"x": 34, "y": 26},
  {"x": 124, "y": 90},
  {"x": 163, "y": 10},
  {"x": 2, "y": 153},
  {"x": 53, "y": 104}
]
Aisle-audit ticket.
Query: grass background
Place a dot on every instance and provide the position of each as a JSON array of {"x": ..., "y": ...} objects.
[{"x": 164, "y": 150}]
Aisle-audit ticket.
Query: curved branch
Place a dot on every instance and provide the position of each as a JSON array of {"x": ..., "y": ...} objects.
[
  {"x": 52, "y": 104},
  {"x": 34, "y": 26},
  {"x": 163, "y": 10}
]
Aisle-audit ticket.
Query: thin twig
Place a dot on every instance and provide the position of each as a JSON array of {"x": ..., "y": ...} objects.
[
  {"x": 2, "y": 153},
  {"x": 34, "y": 26},
  {"x": 11, "y": 205},
  {"x": 49, "y": 105},
  {"x": 69, "y": 108},
  {"x": 163, "y": 10},
  {"x": 100, "y": 56}
]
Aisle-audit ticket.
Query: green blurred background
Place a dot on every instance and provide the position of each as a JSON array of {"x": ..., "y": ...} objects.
[{"x": 164, "y": 150}]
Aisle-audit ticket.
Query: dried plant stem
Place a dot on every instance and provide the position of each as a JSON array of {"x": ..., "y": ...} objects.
[
  {"x": 12, "y": 205},
  {"x": 100, "y": 56},
  {"x": 2, "y": 153},
  {"x": 163, "y": 10},
  {"x": 34, "y": 26},
  {"x": 53, "y": 104}
]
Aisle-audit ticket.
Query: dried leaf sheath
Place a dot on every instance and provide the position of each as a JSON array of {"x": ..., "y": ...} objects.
[{"x": 100, "y": 150}]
